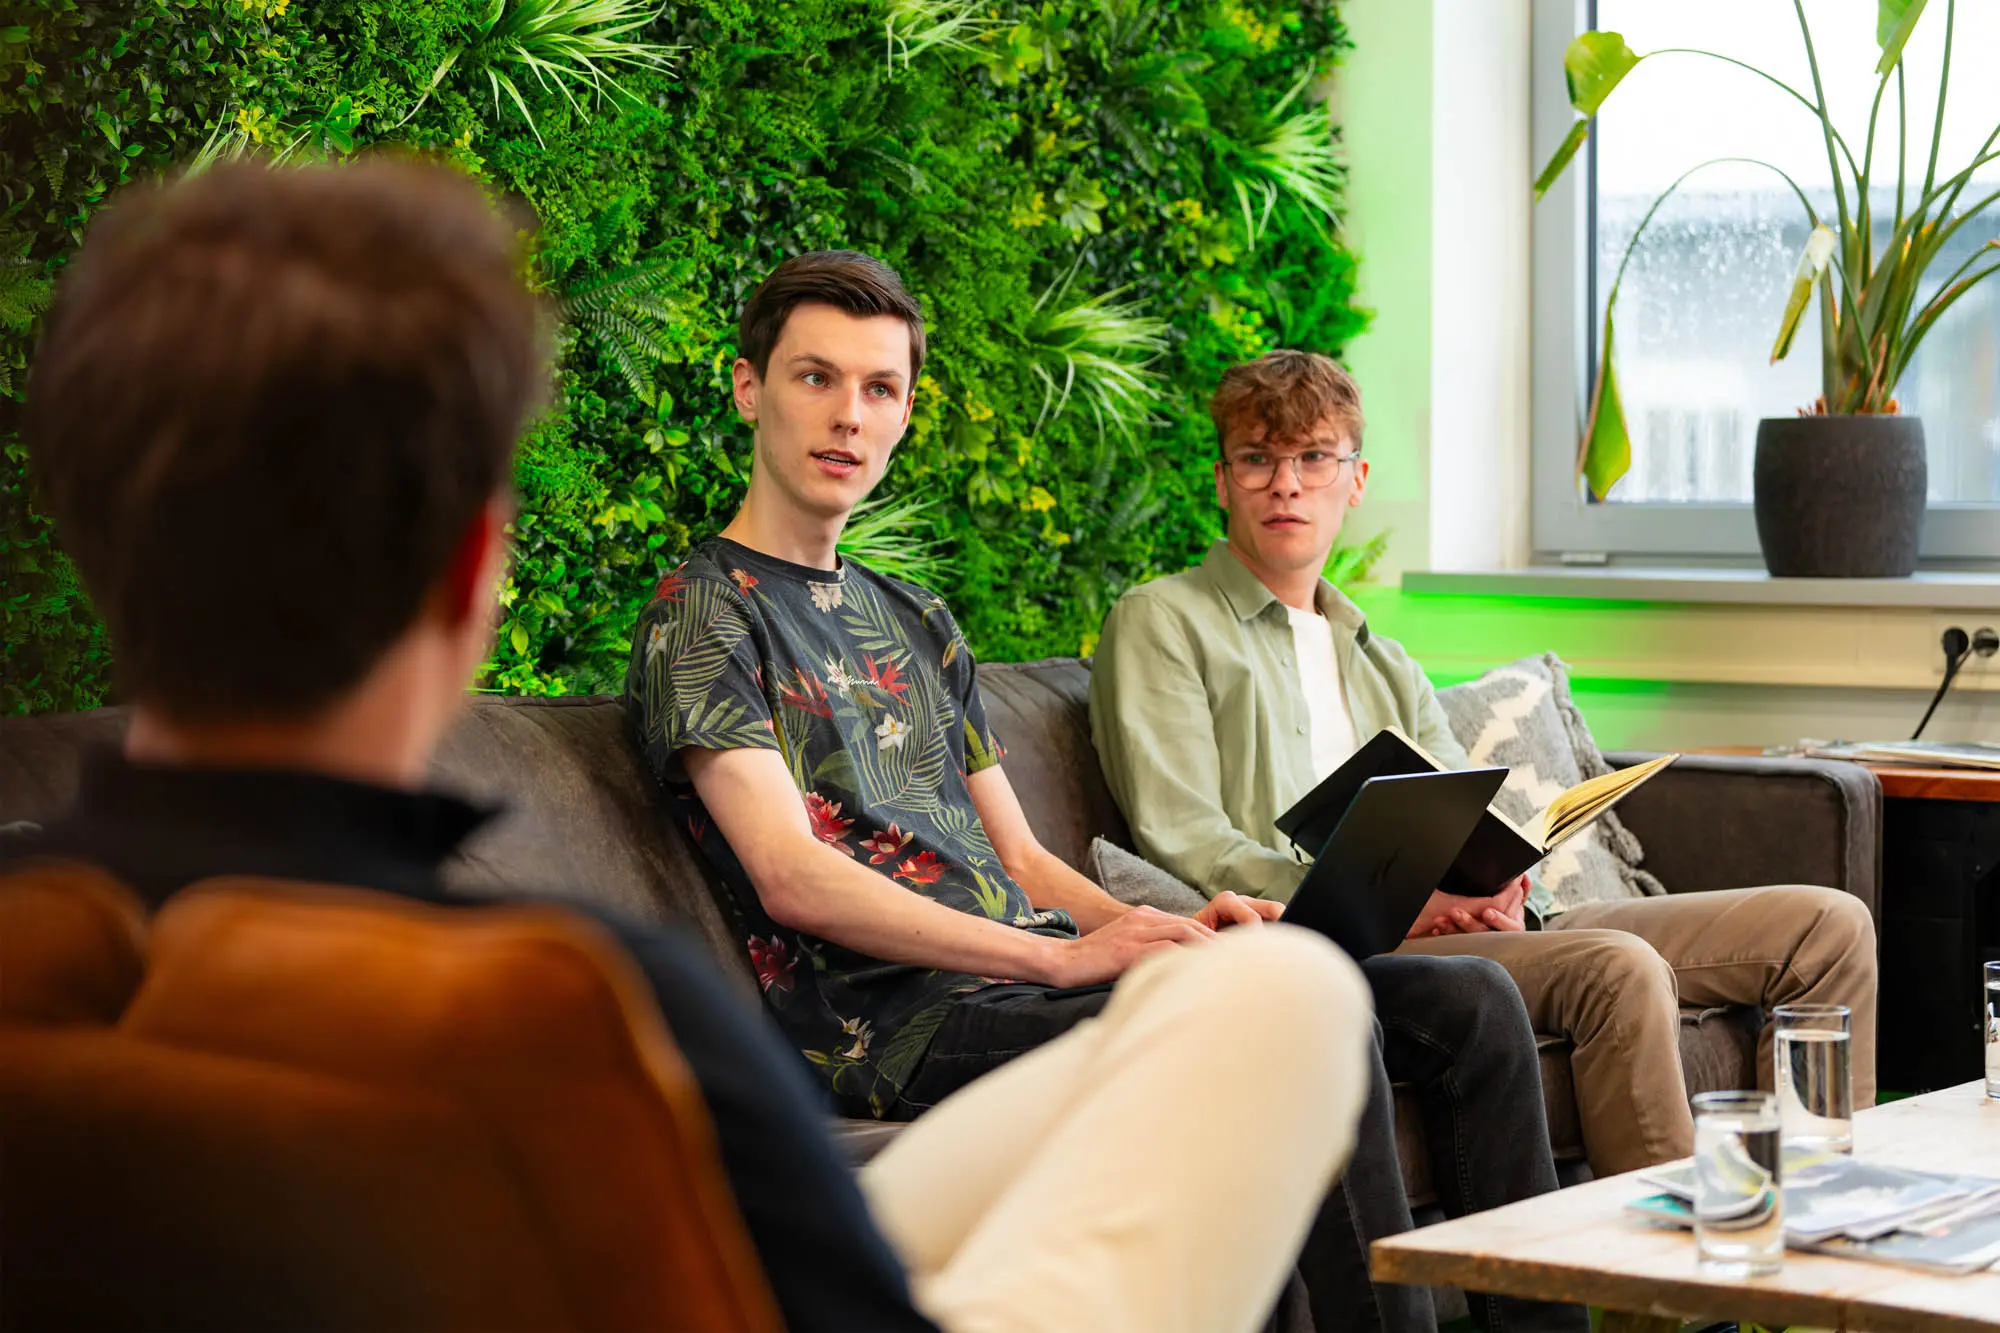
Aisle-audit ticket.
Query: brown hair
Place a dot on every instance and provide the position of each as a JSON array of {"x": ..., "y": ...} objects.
[
  {"x": 267, "y": 406},
  {"x": 1288, "y": 393},
  {"x": 844, "y": 279}
]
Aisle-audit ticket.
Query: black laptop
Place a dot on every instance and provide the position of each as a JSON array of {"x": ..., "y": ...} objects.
[{"x": 1388, "y": 852}]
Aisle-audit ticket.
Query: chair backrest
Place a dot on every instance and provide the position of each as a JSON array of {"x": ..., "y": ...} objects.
[
  {"x": 327, "y": 1108},
  {"x": 72, "y": 945}
]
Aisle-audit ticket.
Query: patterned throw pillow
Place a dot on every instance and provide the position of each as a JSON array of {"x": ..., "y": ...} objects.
[
  {"x": 1521, "y": 716},
  {"x": 1139, "y": 883}
]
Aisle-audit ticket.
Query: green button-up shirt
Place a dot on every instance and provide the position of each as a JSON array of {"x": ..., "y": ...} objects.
[{"x": 1200, "y": 720}]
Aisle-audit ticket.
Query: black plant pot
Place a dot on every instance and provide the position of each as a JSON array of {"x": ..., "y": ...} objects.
[{"x": 1840, "y": 497}]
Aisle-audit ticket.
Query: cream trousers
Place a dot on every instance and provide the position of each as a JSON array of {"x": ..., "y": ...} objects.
[
  {"x": 1155, "y": 1169},
  {"x": 1612, "y": 978}
]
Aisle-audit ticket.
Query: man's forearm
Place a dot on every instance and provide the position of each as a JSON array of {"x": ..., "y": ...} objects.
[
  {"x": 816, "y": 890},
  {"x": 1050, "y": 883}
]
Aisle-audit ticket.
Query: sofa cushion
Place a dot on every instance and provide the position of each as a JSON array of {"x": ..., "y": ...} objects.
[
  {"x": 1040, "y": 711},
  {"x": 1520, "y": 716},
  {"x": 581, "y": 817},
  {"x": 1137, "y": 882}
]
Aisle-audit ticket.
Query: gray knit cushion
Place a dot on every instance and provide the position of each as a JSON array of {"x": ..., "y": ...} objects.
[
  {"x": 1521, "y": 716},
  {"x": 1139, "y": 883}
]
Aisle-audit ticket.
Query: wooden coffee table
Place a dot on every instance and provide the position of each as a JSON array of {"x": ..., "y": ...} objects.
[{"x": 1579, "y": 1245}]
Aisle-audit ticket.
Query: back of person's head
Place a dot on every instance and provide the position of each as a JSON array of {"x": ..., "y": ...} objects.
[
  {"x": 268, "y": 406},
  {"x": 847, "y": 280},
  {"x": 1285, "y": 395}
]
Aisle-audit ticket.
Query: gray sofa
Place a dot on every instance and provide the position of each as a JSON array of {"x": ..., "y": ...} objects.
[{"x": 586, "y": 819}]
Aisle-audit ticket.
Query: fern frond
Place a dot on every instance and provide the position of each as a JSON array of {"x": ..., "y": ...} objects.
[
  {"x": 628, "y": 316},
  {"x": 24, "y": 294}
]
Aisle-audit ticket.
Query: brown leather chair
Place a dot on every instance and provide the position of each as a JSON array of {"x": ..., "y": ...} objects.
[{"x": 328, "y": 1108}]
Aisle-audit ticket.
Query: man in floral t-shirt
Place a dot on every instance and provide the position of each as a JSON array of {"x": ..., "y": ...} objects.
[
  {"x": 819, "y": 727},
  {"x": 863, "y": 686}
]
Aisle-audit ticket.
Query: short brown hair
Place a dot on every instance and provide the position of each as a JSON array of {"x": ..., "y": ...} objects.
[
  {"x": 267, "y": 406},
  {"x": 1288, "y": 393},
  {"x": 844, "y": 279}
]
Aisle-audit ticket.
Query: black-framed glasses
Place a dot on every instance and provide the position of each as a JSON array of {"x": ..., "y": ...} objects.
[{"x": 1255, "y": 470}]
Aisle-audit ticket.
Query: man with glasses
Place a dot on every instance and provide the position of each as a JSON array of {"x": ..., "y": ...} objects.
[
  {"x": 1214, "y": 693},
  {"x": 1223, "y": 694}
]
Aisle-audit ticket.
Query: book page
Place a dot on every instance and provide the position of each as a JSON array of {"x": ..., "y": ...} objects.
[{"x": 1571, "y": 812}]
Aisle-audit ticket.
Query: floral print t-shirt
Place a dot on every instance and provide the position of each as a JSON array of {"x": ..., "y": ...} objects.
[{"x": 865, "y": 686}]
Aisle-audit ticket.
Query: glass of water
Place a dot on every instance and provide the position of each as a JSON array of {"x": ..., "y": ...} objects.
[
  {"x": 1739, "y": 1202},
  {"x": 1814, "y": 1078},
  {"x": 1993, "y": 1030}
]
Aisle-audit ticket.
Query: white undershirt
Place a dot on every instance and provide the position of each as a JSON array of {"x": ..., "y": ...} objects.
[{"x": 1333, "y": 737}]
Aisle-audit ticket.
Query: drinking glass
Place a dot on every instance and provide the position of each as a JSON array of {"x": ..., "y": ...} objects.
[
  {"x": 1993, "y": 1030},
  {"x": 1739, "y": 1205},
  {"x": 1815, "y": 1079}
]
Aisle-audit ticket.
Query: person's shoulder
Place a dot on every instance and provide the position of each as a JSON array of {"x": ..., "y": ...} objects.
[
  {"x": 701, "y": 578},
  {"x": 1171, "y": 605},
  {"x": 1189, "y": 592}
]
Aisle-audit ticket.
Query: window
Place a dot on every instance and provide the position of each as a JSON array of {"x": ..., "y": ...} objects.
[{"x": 1701, "y": 297}]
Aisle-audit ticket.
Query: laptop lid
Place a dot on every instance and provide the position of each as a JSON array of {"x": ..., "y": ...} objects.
[{"x": 1388, "y": 853}]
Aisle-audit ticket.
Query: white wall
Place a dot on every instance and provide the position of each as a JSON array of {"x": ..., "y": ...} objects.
[{"x": 1481, "y": 198}]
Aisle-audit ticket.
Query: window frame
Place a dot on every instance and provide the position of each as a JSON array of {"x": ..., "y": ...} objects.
[{"x": 1564, "y": 358}]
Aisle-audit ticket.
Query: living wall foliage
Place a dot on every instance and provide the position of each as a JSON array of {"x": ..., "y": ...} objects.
[{"x": 1100, "y": 202}]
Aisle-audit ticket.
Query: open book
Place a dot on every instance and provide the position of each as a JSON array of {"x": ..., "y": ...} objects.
[{"x": 1499, "y": 849}]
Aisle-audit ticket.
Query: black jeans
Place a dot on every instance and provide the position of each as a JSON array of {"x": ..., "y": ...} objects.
[{"x": 1453, "y": 1027}]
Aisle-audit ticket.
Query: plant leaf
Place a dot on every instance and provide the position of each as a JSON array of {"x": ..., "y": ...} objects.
[
  {"x": 1594, "y": 64},
  {"x": 1571, "y": 142},
  {"x": 1607, "y": 447},
  {"x": 1812, "y": 263},
  {"x": 1894, "y": 21}
]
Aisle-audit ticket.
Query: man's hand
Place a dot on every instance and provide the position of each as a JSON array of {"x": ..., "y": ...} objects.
[
  {"x": 1105, "y": 953},
  {"x": 1234, "y": 909},
  {"x": 1450, "y": 914}
]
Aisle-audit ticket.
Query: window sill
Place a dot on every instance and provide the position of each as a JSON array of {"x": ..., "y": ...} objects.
[{"x": 1928, "y": 590}]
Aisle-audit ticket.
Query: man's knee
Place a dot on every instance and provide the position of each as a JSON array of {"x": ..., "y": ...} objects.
[
  {"x": 1476, "y": 996},
  {"x": 1844, "y": 918},
  {"x": 1629, "y": 960},
  {"x": 1627, "y": 971}
]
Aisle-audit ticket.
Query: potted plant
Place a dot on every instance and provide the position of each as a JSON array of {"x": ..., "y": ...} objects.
[{"x": 1840, "y": 489}]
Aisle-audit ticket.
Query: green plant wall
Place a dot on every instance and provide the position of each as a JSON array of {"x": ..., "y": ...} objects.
[{"x": 1100, "y": 202}]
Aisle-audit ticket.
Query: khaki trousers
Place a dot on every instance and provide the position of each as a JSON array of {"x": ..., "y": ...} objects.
[
  {"x": 1612, "y": 977},
  {"x": 1155, "y": 1169}
]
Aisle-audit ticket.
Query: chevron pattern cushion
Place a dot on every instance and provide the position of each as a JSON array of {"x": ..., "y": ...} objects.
[{"x": 1521, "y": 716}]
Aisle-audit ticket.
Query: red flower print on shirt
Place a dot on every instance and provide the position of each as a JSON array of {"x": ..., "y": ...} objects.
[
  {"x": 923, "y": 868},
  {"x": 827, "y": 824},
  {"x": 671, "y": 587},
  {"x": 809, "y": 694},
  {"x": 885, "y": 844},
  {"x": 886, "y": 677},
  {"x": 774, "y": 960},
  {"x": 744, "y": 581}
]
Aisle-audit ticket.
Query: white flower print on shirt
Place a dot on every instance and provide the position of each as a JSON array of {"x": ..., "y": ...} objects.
[{"x": 892, "y": 732}]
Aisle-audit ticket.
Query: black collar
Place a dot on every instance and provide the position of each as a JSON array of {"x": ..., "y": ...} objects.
[{"x": 161, "y": 828}]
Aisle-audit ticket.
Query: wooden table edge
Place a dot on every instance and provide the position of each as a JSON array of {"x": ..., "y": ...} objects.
[
  {"x": 1901, "y": 781},
  {"x": 1654, "y": 1297}
]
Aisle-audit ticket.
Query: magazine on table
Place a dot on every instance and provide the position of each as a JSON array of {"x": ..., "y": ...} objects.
[{"x": 1861, "y": 1210}]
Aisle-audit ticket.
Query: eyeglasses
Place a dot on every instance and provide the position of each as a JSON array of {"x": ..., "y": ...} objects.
[{"x": 1255, "y": 470}]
